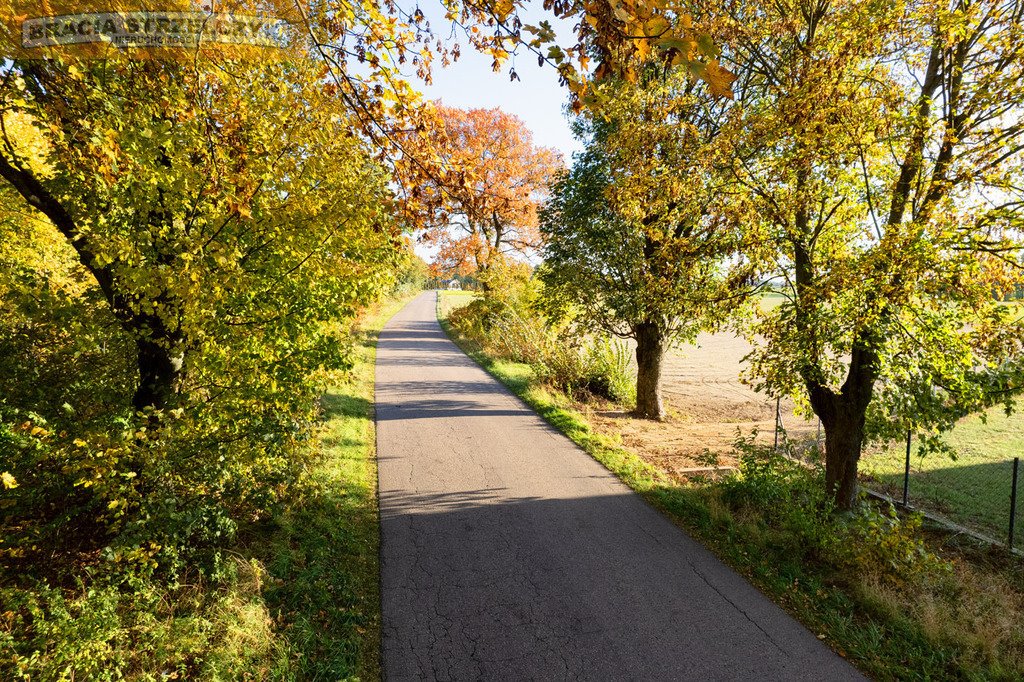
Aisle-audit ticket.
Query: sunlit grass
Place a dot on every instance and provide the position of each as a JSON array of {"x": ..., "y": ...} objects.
[
  {"x": 323, "y": 556},
  {"x": 449, "y": 300}
]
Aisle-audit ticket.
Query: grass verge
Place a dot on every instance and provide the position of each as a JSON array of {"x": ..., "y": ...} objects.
[
  {"x": 323, "y": 556},
  {"x": 964, "y": 624}
]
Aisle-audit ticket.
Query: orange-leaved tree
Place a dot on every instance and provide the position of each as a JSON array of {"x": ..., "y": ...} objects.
[{"x": 487, "y": 179}]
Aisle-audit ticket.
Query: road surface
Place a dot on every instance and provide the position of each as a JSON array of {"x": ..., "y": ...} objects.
[{"x": 509, "y": 554}]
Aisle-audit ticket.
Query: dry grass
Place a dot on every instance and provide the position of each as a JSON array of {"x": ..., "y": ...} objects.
[{"x": 976, "y": 610}]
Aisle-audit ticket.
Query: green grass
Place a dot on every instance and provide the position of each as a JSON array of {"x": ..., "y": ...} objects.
[
  {"x": 769, "y": 300},
  {"x": 972, "y": 490},
  {"x": 945, "y": 630},
  {"x": 447, "y": 301},
  {"x": 323, "y": 556}
]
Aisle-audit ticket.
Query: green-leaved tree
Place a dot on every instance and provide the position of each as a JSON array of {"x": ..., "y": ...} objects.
[
  {"x": 882, "y": 153},
  {"x": 640, "y": 238}
]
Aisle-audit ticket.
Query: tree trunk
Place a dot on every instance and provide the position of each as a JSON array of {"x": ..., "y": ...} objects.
[
  {"x": 160, "y": 356},
  {"x": 844, "y": 437},
  {"x": 158, "y": 370},
  {"x": 650, "y": 350},
  {"x": 843, "y": 415}
]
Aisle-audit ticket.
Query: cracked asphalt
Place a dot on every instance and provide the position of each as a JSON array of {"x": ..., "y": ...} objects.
[{"x": 509, "y": 553}]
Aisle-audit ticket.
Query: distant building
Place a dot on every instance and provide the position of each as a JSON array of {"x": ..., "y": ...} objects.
[{"x": 454, "y": 284}]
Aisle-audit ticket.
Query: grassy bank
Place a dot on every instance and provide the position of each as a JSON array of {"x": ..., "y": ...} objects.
[
  {"x": 299, "y": 598},
  {"x": 323, "y": 556},
  {"x": 973, "y": 489},
  {"x": 961, "y": 622}
]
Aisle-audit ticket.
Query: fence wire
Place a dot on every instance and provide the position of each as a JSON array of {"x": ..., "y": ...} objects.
[{"x": 975, "y": 492}]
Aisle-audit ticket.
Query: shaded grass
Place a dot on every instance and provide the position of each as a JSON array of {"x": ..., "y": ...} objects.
[{"x": 964, "y": 625}]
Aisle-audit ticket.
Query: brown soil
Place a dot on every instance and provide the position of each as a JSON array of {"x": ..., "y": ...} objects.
[{"x": 708, "y": 408}]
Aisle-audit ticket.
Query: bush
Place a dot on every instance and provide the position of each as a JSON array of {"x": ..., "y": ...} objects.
[
  {"x": 508, "y": 326},
  {"x": 787, "y": 497},
  {"x": 122, "y": 626},
  {"x": 877, "y": 540},
  {"x": 610, "y": 370},
  {"x": 474, "y": 320},
  {"x": 131, "y": 496}
]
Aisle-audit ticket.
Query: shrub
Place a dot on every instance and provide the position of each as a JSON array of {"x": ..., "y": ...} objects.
[
  {"x": 471, "y": 320},
  {"x": 878, "y": 541},
  {"x": 132, "y": 495},
  {"x": 586, "y": 366},
  {"x": 509, "y": 327},
  {"x": 788, "y": 497},
  {"x": 122, "y": 626},
  {"x": 610, "y": 370}
]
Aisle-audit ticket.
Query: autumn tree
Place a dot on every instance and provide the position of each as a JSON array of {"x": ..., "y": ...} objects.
[
  {"x": 883, "y": 154},
  {"x": 189, "y": 241},
  {"x": 171, "y": 219},
  {"x": 480, "y": 196},
  {"x": 640, "y": 238}
]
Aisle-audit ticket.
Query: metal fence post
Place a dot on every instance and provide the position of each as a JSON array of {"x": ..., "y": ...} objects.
[
  {"x": 906, "y": 473},
  {"x": 778, "y": 404},
  {"x": 1013, "y": 501}
]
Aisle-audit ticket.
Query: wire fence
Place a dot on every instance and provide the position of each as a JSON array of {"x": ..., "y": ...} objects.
[
  {"x": 981, "y": 490},
  {"x": 978, "y": 492}
]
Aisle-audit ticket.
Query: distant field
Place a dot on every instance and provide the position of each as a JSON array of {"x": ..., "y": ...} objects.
[
  {"x": 449, "y": 300},
  {"x": 770, "y": 299}
]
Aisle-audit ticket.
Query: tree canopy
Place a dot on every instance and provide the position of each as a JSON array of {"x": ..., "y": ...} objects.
[{"x": 479, "y": 199}]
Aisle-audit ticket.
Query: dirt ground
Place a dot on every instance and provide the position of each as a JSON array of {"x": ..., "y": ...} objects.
[{"x": 707, "y": 406}]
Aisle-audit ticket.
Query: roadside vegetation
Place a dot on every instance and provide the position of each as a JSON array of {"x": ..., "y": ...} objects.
[
  {"x": 321, "y": 553},
  {"x": 506, "y": 322},
  {"x": 901, "y": 600},
  {"x": 291, "y": 595}
]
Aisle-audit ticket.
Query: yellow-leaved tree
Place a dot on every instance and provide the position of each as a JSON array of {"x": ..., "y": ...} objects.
[
  {"x": 883, "y": 155},
  {"x": 642, "y": 237}
]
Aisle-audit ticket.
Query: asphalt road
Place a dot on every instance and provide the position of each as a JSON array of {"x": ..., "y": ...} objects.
[{"x": 508, "y": 553}]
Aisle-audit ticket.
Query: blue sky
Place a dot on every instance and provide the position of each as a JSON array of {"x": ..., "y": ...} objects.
[{"x": 537, "y": 98}]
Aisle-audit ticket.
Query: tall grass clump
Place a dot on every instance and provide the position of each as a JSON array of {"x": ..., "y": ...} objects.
[{"x": 508, "y": 325}]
